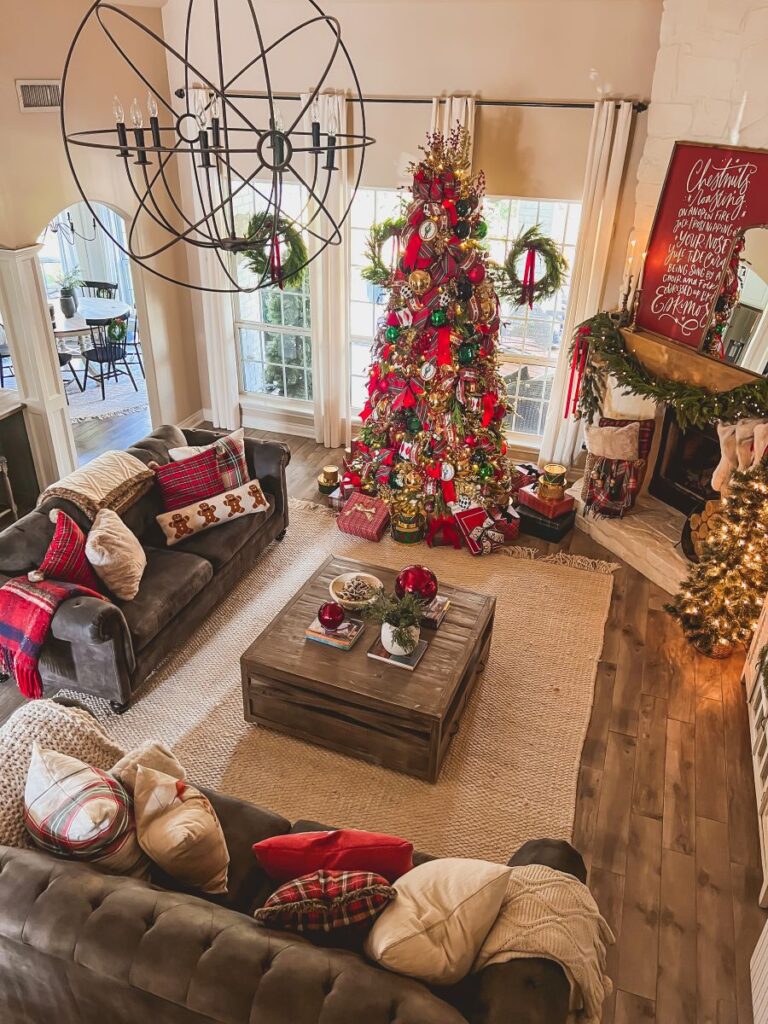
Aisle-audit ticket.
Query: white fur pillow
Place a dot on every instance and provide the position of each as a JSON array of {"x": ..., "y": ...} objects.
[
  {"x": 435, "y": 927},
  {"x": 117, "y": 557},
  {"x": 613, "y": 442}
]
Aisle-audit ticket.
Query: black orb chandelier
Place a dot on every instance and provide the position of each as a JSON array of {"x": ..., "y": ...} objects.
[{"x": 235, "y": 157}]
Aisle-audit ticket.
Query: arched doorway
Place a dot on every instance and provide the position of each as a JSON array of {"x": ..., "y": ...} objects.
[{"x": 102, "y": 344}]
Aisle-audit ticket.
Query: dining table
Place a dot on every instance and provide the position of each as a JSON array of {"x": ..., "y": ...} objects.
[{"x": 91, "y": 312}]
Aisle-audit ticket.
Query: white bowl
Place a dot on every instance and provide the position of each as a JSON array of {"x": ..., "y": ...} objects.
[{"x": 337, "y": 585}]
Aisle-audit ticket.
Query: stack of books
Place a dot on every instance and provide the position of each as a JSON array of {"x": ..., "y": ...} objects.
[
  {"x": 406, "y": 661},
  {"x": 435, "y": 612},
  {"x": 343, "y": 638}
]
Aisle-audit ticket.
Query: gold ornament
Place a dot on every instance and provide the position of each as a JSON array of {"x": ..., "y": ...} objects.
[{"x": 419, "y": 282}]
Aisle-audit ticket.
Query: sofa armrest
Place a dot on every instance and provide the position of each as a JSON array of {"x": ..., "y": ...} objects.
[
  {"x": 24, "y": 543},
  {"x": 101, "y": 646}
]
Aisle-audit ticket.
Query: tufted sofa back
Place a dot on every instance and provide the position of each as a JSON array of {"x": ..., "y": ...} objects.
[{"x": 79, "y": 947}]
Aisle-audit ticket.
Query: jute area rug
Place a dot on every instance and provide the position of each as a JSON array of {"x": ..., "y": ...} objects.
[{"x": 511, "y": 771}]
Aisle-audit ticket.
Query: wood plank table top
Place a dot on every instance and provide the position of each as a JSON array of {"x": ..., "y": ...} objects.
[
  {"x": 426, "y": 694},
  {"x": 91, "y": 312}
]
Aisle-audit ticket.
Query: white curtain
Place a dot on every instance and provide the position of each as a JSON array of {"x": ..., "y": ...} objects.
[
  {"x": 330, "y": 312},
  {"x": 447, "y": 110},
  {"x": 606, "y": 161}
]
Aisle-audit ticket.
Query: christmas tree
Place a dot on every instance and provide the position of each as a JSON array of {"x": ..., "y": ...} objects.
[
  {"x": 721, "y": 600},
  {"x": 433, "y": 422}
]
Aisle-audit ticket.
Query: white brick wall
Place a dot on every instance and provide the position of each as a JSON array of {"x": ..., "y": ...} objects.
[{"x": 710, "y": 85}]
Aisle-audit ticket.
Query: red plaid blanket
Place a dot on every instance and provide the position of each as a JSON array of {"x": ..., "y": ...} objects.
[{"x": 26, "y": 611}]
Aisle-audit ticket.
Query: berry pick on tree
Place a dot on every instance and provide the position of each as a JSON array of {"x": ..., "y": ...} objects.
[
  {"x": 720, "y": 602},
  {"x": 433, "y": 422}
]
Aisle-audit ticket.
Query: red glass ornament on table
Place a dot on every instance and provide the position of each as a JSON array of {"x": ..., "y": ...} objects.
[
  {"x": 417, "y": 580},
  {"x": 330, "y": 616}
]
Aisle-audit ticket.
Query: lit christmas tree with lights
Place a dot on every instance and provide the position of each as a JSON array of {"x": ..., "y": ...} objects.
[
  {"x": 433, "y": 422},
  {"x": 721, "y": 600}
]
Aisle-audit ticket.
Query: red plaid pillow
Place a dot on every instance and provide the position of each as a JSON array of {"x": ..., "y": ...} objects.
[
  {"x": 65, "y": 558},
  {"x": 326, "y": 901},
  {"x": 182, "y": 483},
  {"x": 233, "y": 469}
]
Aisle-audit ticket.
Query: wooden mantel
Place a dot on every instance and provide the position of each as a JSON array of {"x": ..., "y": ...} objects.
[{"x": 669, "y": 359}]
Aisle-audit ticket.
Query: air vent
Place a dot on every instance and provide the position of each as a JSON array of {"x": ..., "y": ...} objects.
[{"x": 39, "y": 95}]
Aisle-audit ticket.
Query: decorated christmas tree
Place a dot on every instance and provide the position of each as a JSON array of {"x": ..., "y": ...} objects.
[
  {"x": 432, "y": 437},
  {"x": 721, "y": 600}
]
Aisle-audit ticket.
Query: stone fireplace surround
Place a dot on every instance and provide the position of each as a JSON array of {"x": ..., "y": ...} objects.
[{"x": 648, "y": 538}]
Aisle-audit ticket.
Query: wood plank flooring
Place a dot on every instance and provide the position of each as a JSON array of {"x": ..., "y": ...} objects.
[{"x": 666, "y": 816}]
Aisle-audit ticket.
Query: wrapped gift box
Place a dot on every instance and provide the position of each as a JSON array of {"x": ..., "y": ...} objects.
[
  {"x": 529, "y": 497},
  {"x": 443, "y": 531},
  {"x": 479, "y": 530},
  {"x": 337, "y": 500},
  {"x": 364, "y": 516},
  {"x": 507, "y": 521},
  {"x": 525, "y": 473},
  {"x": 538, "y": 525}
]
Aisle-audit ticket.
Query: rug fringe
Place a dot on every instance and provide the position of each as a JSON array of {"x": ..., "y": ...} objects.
[
  {"x": 520, "y": 552},
  {"x": 582, "y": 562},
  {"x": 310, "y": 506},
  {"x": 109, "y": 415}
]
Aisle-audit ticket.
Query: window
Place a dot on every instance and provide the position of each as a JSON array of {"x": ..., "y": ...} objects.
[
  {"x": 367, "y": 301},
  {"x": 530, "y": 339},
  {"x": 274, "y": 327}
]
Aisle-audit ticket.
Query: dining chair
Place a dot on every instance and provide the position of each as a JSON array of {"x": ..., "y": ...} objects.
[
  {"x": 134, "y": 345},
  {"x": 110, "y": 356},
  {"x": 98, "y": 289},
  {"x": 65, "y": 362}
]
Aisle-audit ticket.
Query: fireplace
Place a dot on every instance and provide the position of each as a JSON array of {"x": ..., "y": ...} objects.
[{"x": 684, "y": 466}]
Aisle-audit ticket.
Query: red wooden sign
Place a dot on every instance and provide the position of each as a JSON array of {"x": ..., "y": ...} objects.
[{"x": 712, "y": 194}]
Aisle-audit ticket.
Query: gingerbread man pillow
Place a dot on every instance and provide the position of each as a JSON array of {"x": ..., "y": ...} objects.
[{"x": 211, "y": 512}]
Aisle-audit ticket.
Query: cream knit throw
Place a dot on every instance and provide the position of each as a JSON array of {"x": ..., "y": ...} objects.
[
  {"x": 113, "y": 480},
  {"x": 67, "y": 730},
  {"x": 550, "y": 914}
]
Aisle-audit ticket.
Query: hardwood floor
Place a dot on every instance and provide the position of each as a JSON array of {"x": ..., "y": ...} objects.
[
  {"x": 665, "y": 815},
  {"x": 95, "y": 436}
]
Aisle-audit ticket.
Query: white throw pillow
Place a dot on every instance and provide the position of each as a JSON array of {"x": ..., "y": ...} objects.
[
  {"x": 75, "y": 811},
  {"x": 186, "y": 451},
  {"x": 221, "y": 508},
  {"x": 613, "y": 442},
  {"x": 178, "y": 830},
  {"x": 444, "y": 909},
  {"x": 115, "y": 553},
  {"x": 151, "y": 754}
]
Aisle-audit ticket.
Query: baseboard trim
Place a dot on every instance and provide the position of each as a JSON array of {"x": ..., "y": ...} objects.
[
  {"x": 281, "y": 421},
  {"x": 192, "y": 421}
]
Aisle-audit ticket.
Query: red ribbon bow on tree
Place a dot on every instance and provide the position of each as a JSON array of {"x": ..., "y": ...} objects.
[{"x": 407, "y": 393}]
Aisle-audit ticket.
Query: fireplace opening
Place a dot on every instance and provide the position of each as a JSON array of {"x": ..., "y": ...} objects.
[{"x": 683, "y": 471}]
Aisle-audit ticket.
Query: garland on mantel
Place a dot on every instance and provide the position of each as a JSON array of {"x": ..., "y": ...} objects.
[{"x": 598, "y": 349}]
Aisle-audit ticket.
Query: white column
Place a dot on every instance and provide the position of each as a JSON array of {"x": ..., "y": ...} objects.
[{"x": 24, "y": 309}]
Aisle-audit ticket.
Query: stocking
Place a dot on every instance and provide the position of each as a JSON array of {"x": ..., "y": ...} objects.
[
  {"x": 745, "y": 439},
  {"x": 761, "y": 442},
  {"x": 726, "y": 432}
]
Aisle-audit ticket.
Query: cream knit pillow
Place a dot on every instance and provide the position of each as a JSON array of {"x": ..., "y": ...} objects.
[{"x": 117, "y": 557}]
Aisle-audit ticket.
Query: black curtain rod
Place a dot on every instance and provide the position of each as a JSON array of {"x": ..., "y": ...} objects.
[{"x": 638, "y": 105}]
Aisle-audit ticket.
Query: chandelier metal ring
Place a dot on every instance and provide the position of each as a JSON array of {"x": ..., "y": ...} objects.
[{"x": 232, "y": 159}]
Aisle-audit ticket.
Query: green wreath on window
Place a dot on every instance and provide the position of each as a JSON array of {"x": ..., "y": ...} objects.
[
  {"x": 117, "y": 330},
  {"x": 509, "y": 284},
  {"x": 261, "y": 230},
  {"x": 376, "y": 270}
]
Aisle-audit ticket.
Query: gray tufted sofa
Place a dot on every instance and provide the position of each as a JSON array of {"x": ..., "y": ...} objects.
[
  {"x": 109, "y": 649},
  {"x": 81, "y": 947}
]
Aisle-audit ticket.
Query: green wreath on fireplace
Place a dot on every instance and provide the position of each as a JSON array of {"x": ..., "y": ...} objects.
[{"x": 692, "y": 405}]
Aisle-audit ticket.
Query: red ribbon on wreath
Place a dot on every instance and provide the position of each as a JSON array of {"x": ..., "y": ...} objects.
[
  {"x": 275, "y": 264},
  {"x": 529, "y": 279}
]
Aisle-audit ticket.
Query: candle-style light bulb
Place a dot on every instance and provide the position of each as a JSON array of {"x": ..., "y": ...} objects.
[
  {"x": 151, "y": 105},
  {"x": 201, "y": 109},
  {"x": 137, "y": 117},
  {"x": 117, "y": 110},
  {"x": 314, "y": 111},
  {"x": 333, "y": 121},
  {"x": 215, "y": 106}
]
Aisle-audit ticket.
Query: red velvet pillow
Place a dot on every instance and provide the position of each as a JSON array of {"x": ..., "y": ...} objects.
[
  {"x": 182, "y": 483},
  {"x": 347, "y": 849},
  {"x": 326, "y": 901},
  {"x": 65, "y": 558}
]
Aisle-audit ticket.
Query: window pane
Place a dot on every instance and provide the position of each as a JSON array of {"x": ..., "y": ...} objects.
[
  {"x": 293, "y": 310},
  {"x": 274, "y": 383},
  {"x": 296, "y": 382}
]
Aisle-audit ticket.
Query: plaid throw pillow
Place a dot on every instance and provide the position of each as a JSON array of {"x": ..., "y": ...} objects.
[
  {"x": 230, "y": 453},
  {"x": 76, "y": 811},
  {"x": 326, "y": 901},
  {"x": 182, "y": 483},
  {"x": 65, "y": 559}
]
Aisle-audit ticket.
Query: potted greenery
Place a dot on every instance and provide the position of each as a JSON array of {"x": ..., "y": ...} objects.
[
  {"x": 400, "y": 619},
  {"x": 67, "y": 294}
]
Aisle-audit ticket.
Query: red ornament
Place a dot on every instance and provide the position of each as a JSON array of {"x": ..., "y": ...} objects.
[
  {"x": 392, "y": 320},
  {"x": 331, "y": 615},
  {"x": 417, "y": 580},
  {"x": 476, "y": 273},
  {"x": 470, "y": 440}
]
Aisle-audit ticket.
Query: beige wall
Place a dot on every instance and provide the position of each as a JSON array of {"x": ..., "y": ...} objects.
[{"x": 35, "y": 180}]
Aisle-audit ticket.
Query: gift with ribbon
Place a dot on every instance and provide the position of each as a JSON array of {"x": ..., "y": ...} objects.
[
  {"x": 364, "y": 516},
  {"x": 479, "y": 530},
  {"x": 443, "y": 531}
]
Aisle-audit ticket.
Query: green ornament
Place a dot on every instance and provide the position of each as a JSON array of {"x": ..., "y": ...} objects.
[
  {"x": 467, "y": 354},
  {"x": 486, "y": 472},
  {"x": 463, "y": 207},
  {"x": 413, "y": 424},
  {"x": 480, "y": 230},
  {"x": 438, "y": 317},
  {"x": 392, "y": 333}
]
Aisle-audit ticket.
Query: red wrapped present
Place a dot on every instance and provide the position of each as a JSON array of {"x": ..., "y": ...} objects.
[
  {"x": 337, "y": 499},
  {"x": 507, "y": 522},
  {"x": 443, "y": 531},
  {"x": 550, "y": 509},
  {"x": 479, "y": 530},
  {"x": 364, "y": 516},
  {"x": 525, "y": 473}
]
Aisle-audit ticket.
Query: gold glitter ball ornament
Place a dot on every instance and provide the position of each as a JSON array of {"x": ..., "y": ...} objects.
[{"x": 419, "y": 281}]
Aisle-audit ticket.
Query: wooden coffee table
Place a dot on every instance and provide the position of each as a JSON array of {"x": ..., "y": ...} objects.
[{"x": 349, "y": 702}]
